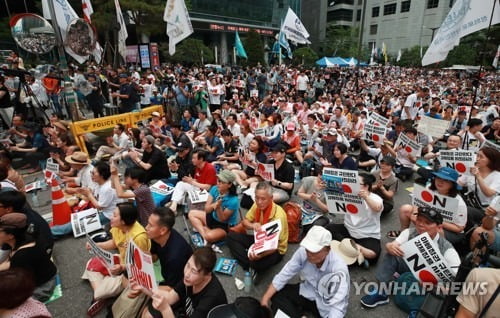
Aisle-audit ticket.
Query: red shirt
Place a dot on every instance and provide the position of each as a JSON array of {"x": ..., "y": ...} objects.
[{"x": 206, "y": 175}]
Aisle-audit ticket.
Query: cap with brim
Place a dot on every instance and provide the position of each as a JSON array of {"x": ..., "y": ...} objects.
[
  {"x": 430, "y": 214},
  {"x": 13, "y": 221},
  {"x": 348, "y": 251},
  {"x": 389, "y": 160},
  {"x": 155, "y": 114},
  {"x": 290, "y": 126},
  {"x": 317, "y": 238},
  {"x": 78, "y": 158},
  {"x": 226, "y": 176},
  {"x": 332, "y": 132},
  {"x": 243, "y": 307},
  {"x": 281, "y": 147},
  {"x": 449, "y": 174},
  {"x": 182, "y": 146}
]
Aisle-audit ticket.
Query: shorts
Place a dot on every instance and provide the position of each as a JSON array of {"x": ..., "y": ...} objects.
[{"x": 214, "y": 224}]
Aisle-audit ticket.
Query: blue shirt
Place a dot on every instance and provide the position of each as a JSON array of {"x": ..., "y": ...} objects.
[
  {"x": 327, "y": 285},
  {"x": 230, "y": 202},
  {"x": 185, "y": 124},
  {"x": 215, "y": 142}
]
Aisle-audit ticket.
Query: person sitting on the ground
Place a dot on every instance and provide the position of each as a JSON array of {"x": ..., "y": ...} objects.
[
  {"x": 313, "y": 197},
  {"x": 405, "y": 160},
  {"x": 134, "y": 179},
  {"x": 230, "y": 155},
  {"x": 386, "y": 184},
  {"x": 221, "y": 209},
  {"x": 427, "y": 220},
  {"x": 36, "y": 150},
  {"x": 153, "y": 160},
  {"x": 25, "y": 253},
  {"x": 472, "y": 137},
  {"x": 489, "y": 225},
  {"x": 255, "y": 154},
  {"x": 293, "y": 141},
  {"x": 319, "y": 266},
  {"x": 124, "y": 227},
  {"x": 181, "y": 165},
  {"x": 452, "y": 143},
  {"x": 364, "y": 226},
  {"x": 474, "y": 304},
  {"x": 263, "y": 211},
  {"x": 118, "y": 142},
  {"x": 203, "y": 179},
  {"x": 16, "y": 292},
  {"x": 370, "y": 157},
  {"x": 341, "y": 159},
  {"x": 12, "y": 175},
  {"x": 195, "y": 295},
  {"x": 80, "y": 162},
  {"x": 212, "y": 144}
]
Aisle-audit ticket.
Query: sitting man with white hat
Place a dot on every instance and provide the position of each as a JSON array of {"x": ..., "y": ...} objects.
[{"x": 324, "y": 290}]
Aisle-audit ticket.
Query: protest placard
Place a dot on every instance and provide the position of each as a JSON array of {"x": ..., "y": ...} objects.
[
  {"x": 265, "y": 170},
  {"x": 32, "y": 186},
  {"x": 198, "y": 196},
  {"x": 410, "y": 146},
  {"x": 248, "y": 158},
  {"x": 460, "y": 160},
  {"x": 85, "y": 221},
  {"x": 267, "y": 238},
  {"x": 140, "y": 267},
  {"x": 107, "y": 258},
  {"x": 447, "y": 206},
  {"x": 342, "y": 203},
  {"x": 432, "y": 126},
  {"x": 161, "y": 187},
  {"x": 260, "y": 132},
  {"x": 425, "y": 261},
  {"x": 348, "y": 178},
  {"x": 489, "y": 144},
  {"x": 52, "y": 166},
  {"x": 375, "y": 128}
]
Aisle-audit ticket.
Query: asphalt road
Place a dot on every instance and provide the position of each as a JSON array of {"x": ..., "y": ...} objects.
[{"x": 70, "y": 257}]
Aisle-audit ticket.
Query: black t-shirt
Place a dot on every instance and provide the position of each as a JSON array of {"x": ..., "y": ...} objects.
[
  {"x": 127, "y": 104},
  {"x": 285, "y": 173},
  {"x": 173, "y": 257},
  {"x": 159, "y": 169},
  {"x": 186, "y": 167},
  {"x": 35, "y": 260},
  {"x": 43, "y": 235},
  {"x": 231, "y": 149},
  {"x": 198, "y": 305},
  {"x": 5, "y": 99}
]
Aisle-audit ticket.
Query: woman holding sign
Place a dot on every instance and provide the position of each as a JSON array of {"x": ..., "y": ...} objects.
[{"x": 124, "y": 227}]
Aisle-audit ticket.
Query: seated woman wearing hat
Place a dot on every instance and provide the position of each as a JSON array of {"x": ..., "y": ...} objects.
[
  {"x": 221, "y": 209},
  {"x": 25, "y": 253},
  {"x": 364, "y": 226},
  {"x": 293, "y": 140},
  {"x": 444, "y": 183},
  {"x": 79, "y": 161}
]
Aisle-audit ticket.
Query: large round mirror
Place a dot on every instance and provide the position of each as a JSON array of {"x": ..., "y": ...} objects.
[
  {"x": 80, "y": 37},
  {"x": 33, "y": 33}
]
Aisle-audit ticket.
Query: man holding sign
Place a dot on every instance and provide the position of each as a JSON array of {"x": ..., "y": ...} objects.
[{"x": 428, "y": 221}]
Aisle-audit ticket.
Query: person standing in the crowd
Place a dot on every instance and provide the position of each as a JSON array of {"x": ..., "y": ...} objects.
[{"x": 126, "y": 94}]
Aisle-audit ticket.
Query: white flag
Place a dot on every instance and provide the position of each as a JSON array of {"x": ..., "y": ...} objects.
[
  {"x": 122, "y": 34},
  {"x": 178, "y": 23},
  {"x": 495, "y": 60},
  {"x": 65, "y": 14},
  {"x": 465, "y": 17},
  {"x": 97, "y": 53},
  {"x": 399, "y": 56},
  {"x": 294, "y": 29},
  {"x": 87, "y": 10}
]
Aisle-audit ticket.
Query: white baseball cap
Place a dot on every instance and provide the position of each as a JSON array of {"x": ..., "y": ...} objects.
[{"x": 317, "y": 238}]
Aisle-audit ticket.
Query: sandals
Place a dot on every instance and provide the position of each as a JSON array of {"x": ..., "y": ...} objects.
[{"x": 393, "y": 234}]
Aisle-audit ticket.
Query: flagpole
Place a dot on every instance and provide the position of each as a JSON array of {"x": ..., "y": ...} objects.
[
  {"x": 481, "y": 65},
  {"x": 68, "y": 88},
  {"x": 234, "y": 55}
]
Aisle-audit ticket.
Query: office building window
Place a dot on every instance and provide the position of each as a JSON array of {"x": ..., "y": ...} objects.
[
  {"x": 373, "y": 29},
  {"x": 432, "y": 4},
  {"x": 389, "y": 9},
  {"x": 344, "y": 2},
  {"x": 375, "y": 12},
  {"x": 358, "y": 15},
  {"x": 360, "y": 2},
  {"x": 451, "y": 3},
  {"x": 405, "y": 6},
  {"x": 339, "y": 15}
]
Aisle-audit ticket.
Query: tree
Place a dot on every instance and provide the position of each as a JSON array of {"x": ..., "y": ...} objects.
[
  {"x": 189, "y": 51},
  {"x": 255, "y": 48},
  {"x": 341, "y": 41},
  {"x": 304, "y": 55},
  {"x": 411, "y": 57}
]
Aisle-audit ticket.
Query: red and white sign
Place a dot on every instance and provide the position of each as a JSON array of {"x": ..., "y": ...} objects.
[
  {"x": 460, "y": 160},
  {"x": 265, "y": 170},
  {"x": 447, "y": 206},
  {"x": 162, "y": 188},
  {"x": 267, "y": 238},
  {"x": 350, "y": 180},
  {"x": 140, "y": 267},
  {"x": 342, "y": 203},
  {"x": 375, "y": 128},
  {"x": 410, "y": 146},
  {"x": 425, "y": 260},
  {"x": 248, "y": 158},
  {"x": 107, "y": 258}
]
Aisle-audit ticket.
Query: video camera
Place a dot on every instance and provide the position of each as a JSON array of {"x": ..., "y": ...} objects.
[{"x": 168, "y": 81}]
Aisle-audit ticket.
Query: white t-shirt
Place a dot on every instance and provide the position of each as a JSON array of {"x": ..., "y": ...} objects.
[
  {"x": 107, "y": 198},
  {"x": 365, "y": 223},
  {"x": 121, "y": 140},
  {"x": 245, "y": 140},
  {"x": 414, "y": 103},
  {"x": 302, "y": 82},
  {"x": 492, "y": 180},
  {"x": 146, "y": 96}
]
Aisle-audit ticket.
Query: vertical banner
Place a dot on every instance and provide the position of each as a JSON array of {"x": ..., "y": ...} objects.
[
  {"x": 155, "y": 55},
  {"x": 132, "y": 54},
  {"x": 144, "y": 54}
]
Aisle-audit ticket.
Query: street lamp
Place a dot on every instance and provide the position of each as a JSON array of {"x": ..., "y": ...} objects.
[{"x": 433, "y": 30}]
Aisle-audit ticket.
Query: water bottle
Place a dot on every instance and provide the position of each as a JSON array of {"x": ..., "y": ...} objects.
[
  {"x": 248, "y": 282},
  {"x": 34, "y": 198}
]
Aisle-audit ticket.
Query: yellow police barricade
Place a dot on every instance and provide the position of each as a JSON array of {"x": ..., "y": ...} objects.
[{"x": 80, "y": 128}]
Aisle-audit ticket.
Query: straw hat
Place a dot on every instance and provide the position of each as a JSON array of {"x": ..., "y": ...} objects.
[
  {"x": 78, "y": 158},
  {"x": 348, "y": 250}
]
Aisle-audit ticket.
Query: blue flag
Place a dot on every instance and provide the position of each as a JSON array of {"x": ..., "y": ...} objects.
[
  {"x": 284, "y": 43},
  {"x": 240, "y": 50}
]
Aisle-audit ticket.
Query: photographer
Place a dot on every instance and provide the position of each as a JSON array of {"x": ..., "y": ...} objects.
[{"x": 6, "y": 109}]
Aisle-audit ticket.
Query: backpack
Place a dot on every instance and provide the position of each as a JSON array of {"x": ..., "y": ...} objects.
[
  {"x": 405, "y": 300},
  {"x": 309, "y": 168},
  {"x": 293, "y": 217}
]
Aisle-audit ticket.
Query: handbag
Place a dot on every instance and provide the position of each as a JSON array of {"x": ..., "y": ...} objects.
[
  {"x": 471, "y": 198},
  {"x": 96, "y": 265}
]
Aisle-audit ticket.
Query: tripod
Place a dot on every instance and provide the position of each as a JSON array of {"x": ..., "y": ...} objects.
[{"x": 42, "y": 119}]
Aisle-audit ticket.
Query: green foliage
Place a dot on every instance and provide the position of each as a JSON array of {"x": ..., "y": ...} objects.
[
  {"x": 255, "y": 49},
  {"x": 411, "y": 57},
  {"x": 188, "y": 52},
  {"x": 341, "y": 41},
  {"x": 304, "y": 55}
]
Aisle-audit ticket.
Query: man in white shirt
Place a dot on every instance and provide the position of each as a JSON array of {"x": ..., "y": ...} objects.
[
  {"x": 302, "y": 81},
  {"x": 413, "y": 103},
  {"x": 324, "y": 290},
  {"x": 233, "y": 126},
  {"x": 118, "y": 142}
]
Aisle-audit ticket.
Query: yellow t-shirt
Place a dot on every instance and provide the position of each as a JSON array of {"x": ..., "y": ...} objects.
[
  {"x": 137, "y": 233},
  {"x": 277, "y": 213}
]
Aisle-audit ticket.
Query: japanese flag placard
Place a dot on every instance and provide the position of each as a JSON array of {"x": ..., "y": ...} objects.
[
  {"x": 447, "y": 206},
  {"x": 162, "y": 188},
  {"x": 375, "y": 128},
  {"x": 107, "y": 258},
  {"x": 460, "y": 160},
  {"x": 350, "y": 180},
  {"x": 406, "y": 144},
  {"x": 248, "y": 158},
  {"x": 266, "y": 171},
  {"x": 425, "y": 260},
  {"x": 266, "y": 238},
  {"x": 140, "y": 267},
  {"x": 342, "y": 203},
  {"x": 84, "y": 222}
]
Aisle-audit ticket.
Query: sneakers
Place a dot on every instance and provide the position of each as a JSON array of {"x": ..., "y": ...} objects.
[
  {"x": 413, "y": 314},
  {"x": 95, "y": 307},
  {"x": 374, "y": 299}
]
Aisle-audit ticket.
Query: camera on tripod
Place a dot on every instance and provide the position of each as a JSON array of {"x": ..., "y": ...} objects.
[{"x": 168, "y": 81}]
